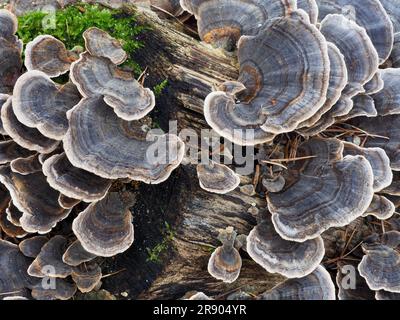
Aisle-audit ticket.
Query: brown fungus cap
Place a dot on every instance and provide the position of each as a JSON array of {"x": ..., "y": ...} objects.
[
  {"x": 49, "y": 55},
  {"x": 31, "y": 247},
  {"x": 100, "y": 44},
  {"x": 76, "y": 255},
  {"x": 63, "y": 290},
  {"x": 86, "y": 276},
  {"x": 9, "y": 151},
  {"x": 49, "y": 261},
  {"x": 13, "y": 214},
  {"x": 46, "y": 111},
  {"x": 276, "y": 255},
  {"x": 26, "y": 165},
  {"x": 217, "y": 178},
  {"x": 29, "y": 138},
  {"x": 96, "y": 76},
  {"x": 9, "y": 228},
  {"x": 99, "y": 142},
  {"x": 74, "y": 182},
  {"x": 105, "y": 227},
  {"x": 11, "y": 65},
  {"x": 35, "y": 199},
  {"x": 225, "y": 262},
  {"x": 66, "y": 202},
  {"x": 323, "y": 191}
]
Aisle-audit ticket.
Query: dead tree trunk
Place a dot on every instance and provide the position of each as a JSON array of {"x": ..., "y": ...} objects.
[{"x": 194, "y": 216}]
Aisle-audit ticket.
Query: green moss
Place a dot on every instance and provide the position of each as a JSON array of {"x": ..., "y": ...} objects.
[
  {"x": 155, "y": 253},
  {"x": 158, "y": 89},
  {"x": 72, "y": 21}
]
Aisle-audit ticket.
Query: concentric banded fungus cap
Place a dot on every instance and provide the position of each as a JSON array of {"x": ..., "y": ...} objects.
[
  {"x": 9, "y": 151},
  {"x": 285, "y": 85},
  {"x": 99, "y": 142},
  {"x": 387, "y": 101},
  {"x": 20, "y": 7},
  {"x": 46, "y": 111},
  {"x": 351, "y": 286},
  {"x": 100, "y": 44},
  {"x": 357, "y": 48},
  {"x": 321, "y": 192},
  {"x": 225, "y": 262},
  {"x": 375, "y": 84},
  {"x": 311, "y": 7},
  {"x": 8, "y": 25},
  {"x": 63, "y": 291},
  {"x": 13, "y": 275},
  {"x": 29, "y": 138},
  {"x": 368, "y": 14},
  {"x": 31, "y": 247},
  {"x": 86, "y": 276},
  {"x": 378, "y": 160},
  {"x": 381, "y": 264},
  {"x": 99, "y": 76},
  {"x": 74, "y": 182},
  {"x": 27, "y": 165},
  {"x": 392, "y": 7},
  {"x": 76, "y": 254},
  {"x": 316, "y": 286},
  {"x": 10, "y": 229},
  {"x": 380, "y": 207},
  {"x": 219, "y": 23},
  {"x": 338, "y": 78},
  {"x": 276, "y": 255},
  {"x": 383, "y": 133},
  {"x": 3, "y": 100},
  {"x": 49, "y": 55},
  {"x": 363, "y": 106},
  {"x": 217, "y": 178},
  {"x": 11, "y": 65},
  {"x": 386, "y": 295},
  {"x": 49, "y": 261},
  {"x": 105, "y": 227},
  {"x": 35, "y": 199}
]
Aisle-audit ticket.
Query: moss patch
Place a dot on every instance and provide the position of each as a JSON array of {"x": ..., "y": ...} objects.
[{"x": 71, "y": 22}]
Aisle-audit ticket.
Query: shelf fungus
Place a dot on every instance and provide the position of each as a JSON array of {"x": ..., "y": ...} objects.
[
  {"x": 220, "y": 24},
  {"x": 326, "y": 190},
  {"x": 21, "y": 7},
  {"x": 76, "y": 254},
  {"x": 316, "y": 286},
  {"x": 387, "y": 101},
  {"x": 74, "y": 182},
  {"x": 105, "y": 227},
  {"x": 29, "y": 138},
  {"x": 100, "y": 44},
  {"x": 386, "y": 295},
  {"x": 374, "y": 85},
  {"x": 394, "y": 60},
  {"x": 49, "y": 55},
  {"x": 9, "y": 151},
  {"x": 383, "y": 133},
  {"x": 120, "y": 90},
  {"x": 281, "y": 83},
  {"x": 225, "y": 262},
  {"x": 392, "y": 7},
  {"x": 14, "y": 278},
  {"x": 276, "y": 255},
  {"x": 13, "y": 214},
  {"x": 217, "y": 178},
  {"x": 63, "y": 290},
  {"x": 45, "y": 111},
  {"x": 368, "y": 14},
  {"x": 35, "y": 199},
  {"x": 8, "y": 25},
  {"x": 110, "y": 147},
  {"x": 11, "y": 65},
  {"x": 381, "y": 208},
  {"x": 26, "y": 165},
  {"x": 86, "y": 276},
  {"x": 31, "y": 247},
  {"x": 378, "y": 160},
  {"x": 380, "y": 265},
  {"x": 3, "y": 100},
  {"x": 49, "y": 262},
  {"x": 311, "y": 7}
]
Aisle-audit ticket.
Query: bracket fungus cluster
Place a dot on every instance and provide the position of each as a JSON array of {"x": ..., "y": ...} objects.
[{"x": 67, "y": 144}]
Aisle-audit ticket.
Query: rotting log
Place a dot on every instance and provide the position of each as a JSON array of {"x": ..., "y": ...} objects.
[{"x": 192, "y": 69}]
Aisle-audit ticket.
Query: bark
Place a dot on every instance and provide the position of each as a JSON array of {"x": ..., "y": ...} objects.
[{"x": 192, "y": 69}]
